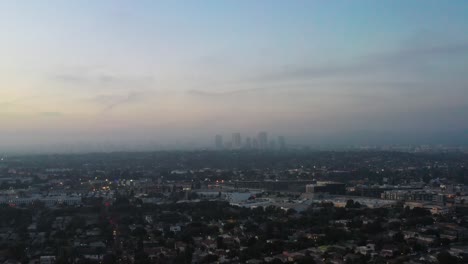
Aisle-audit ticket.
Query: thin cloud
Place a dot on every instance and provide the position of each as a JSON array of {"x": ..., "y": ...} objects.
[
  {"x": 341, "y": 88},
  {"x": 16, "y": 100},
  {"x": 101, "y": 79},
  {"x": 111, "y": 102},
  {"x": 421, "y": 52},
  {"x": 407, "y": 58},
  {"x": 70, "y": 78},
  {"x": 203, "y": 93},
  {"x": 51, "y": 114}
]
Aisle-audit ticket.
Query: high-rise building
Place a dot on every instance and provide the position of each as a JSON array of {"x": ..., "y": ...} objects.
[
  {"x": 262, "y": 140},
  {"x": 219, "y": 142},
  {"x": 236, "y": 141},
  {"x": 228, "y": 145},
  {"x": 281, "y": 142},
  {"x": 272, "y": 144},
  {"x": 255, "y": 143},
  {"x": 248, "y": 143}
]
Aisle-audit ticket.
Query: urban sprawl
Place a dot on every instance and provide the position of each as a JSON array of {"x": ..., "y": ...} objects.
[{"x": 262, "y": 203}]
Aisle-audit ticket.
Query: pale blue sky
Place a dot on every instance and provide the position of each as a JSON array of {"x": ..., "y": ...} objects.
[{"x": 315, "y": 71}]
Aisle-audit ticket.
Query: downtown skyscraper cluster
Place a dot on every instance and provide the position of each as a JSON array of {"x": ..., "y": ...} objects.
[{"x": 260, "y": 141}]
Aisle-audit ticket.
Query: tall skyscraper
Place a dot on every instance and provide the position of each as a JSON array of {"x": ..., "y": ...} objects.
[
  {"x": 248, "y": 143},
  {"x": 236, "y": 141},
  {"x": 262, "y": 140},
  {"x": 254, "y": 143},
  {"x": 272, "y": 144},
  {"x": 219, "y": 142},
  {"x": 281, "y": 142}
]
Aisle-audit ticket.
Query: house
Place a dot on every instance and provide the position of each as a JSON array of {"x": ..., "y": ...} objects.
[
  {"x": 47, "y": 260},
  {"x": 175, "y": 228},
  {"x": 365, "y": 250}
]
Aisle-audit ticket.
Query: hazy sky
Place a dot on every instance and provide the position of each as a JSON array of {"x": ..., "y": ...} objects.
[{"x": 314, "y": 71}]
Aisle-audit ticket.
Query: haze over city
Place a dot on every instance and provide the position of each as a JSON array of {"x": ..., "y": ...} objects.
[
  {"x": 169, "y": 72},
  {"x": 228, "y": 131}
]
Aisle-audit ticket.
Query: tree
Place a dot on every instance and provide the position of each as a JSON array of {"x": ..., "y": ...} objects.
[
  {"x": 17, "y": 251},
  {"x": 399, "y": 237},
  {"x": 349, "y": 204},
  {"x": 139, "y": 232},
  {"x": 446, "y": 258},
  {"x": 210, "y": 259},
  {"x": 352, "y": 204},
  {"x": 109, "y": 259},
  {"x": 142, "y": 257},
  {"x": 219, "y": 242},
  {"x": 77, "y": 222},
  {"x": 307, "y": 259}
]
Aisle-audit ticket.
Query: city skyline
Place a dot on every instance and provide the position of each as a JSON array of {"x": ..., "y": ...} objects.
[
  {"x": 172, "y": 72},
  {"x": 242, "y": 141},
  {"x": 175, "y": 131}
]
